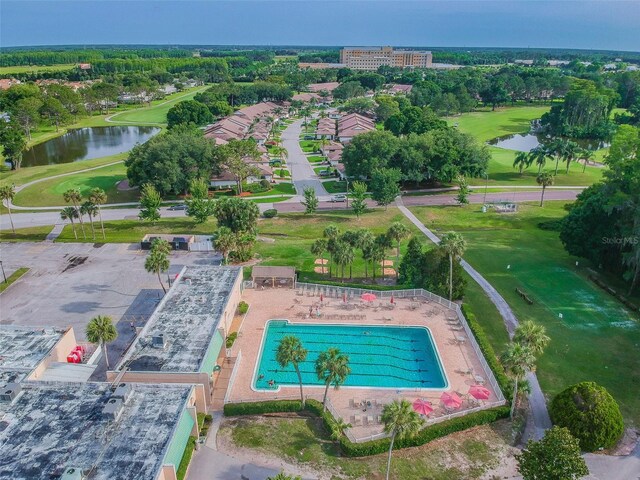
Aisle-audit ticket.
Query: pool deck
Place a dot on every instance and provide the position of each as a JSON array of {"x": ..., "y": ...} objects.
[{"x": 458, "y": 358}]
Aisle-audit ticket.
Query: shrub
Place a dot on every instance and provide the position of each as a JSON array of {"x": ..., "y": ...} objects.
[
  {"x": 186, "y": 458},
  {"x": 231, "y": 338},
  {"x": 489, "y": 353},
  {"x": 264, "y": 183},
  {"x": 257, "y": 408},
  {"x": 257, "y": 187},
  {"x": 590, "y": 413},
  {"x": 243, "y": 307},
  {"x": 270, "y": 213}
]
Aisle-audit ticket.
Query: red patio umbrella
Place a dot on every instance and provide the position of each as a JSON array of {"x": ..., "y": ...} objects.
[
  {"x": 392, "y": 299},
  {"x": 422, "y": 407},
  {"x": 368, "y": 297},
  {"x": 479, "y": 392},
  {"x": 451, "y": 400}
]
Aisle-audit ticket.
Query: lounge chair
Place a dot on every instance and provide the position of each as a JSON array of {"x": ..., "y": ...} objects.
[{"x": 479, "y": 379}]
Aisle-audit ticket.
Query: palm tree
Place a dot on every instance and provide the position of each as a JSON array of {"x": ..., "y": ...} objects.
[
  {"x": 398, "y": 232},
  {"x": 532, "y": 335},
  {"x": 379, "y": 253},
  {"x": 338, "y": 428},
  {"x": 157, "y": 262},
  {"x": 545, "y": 179},
  {"x": 517, "y": 361},
  {"x": 454, "y": 246},
  {"x": 539, "y": 156},
  {"x": 99, "y": 197},
  {"x": 343, "y": 253},
  {"x": 225, "y": 241},
  {"x": 365, "y": 244},
  {"x": 523, "y": 161},
  {"x": 74, "y": 196},
  {"x": 280, "y": 152},
  {"x": 70, "y": 213},
  {"x": 558, "y": 148},
  {"x": 7, "y": 192},
  {"x": 586, "y": 155},
  {"x": 331, "y": 234},
  {"x": 332, "y": 367},
  {"x": 400, "y": 420},
  {"x": 318, "y": 247},
  {"x": 572, "y": 150},
  {"x": 101, "y": 330},
  {"x": 291, "y": 351},
  {"x": 91, "y": 210}
]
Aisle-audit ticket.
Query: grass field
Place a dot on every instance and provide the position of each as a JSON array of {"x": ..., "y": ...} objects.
[
  {"x": 335, "y": 186},
  {"x": 5, "y": 71},
  {"x": 49, "y": 192},
  {"x": 597, "y": 339},
  {"x": 465, "y": 455},
  {"x": 11, "y": 279},
  {"x": 157, "y": 112},
  {"x": 29, "y": 234}
]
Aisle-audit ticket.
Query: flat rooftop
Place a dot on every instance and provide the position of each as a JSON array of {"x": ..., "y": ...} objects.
[
  {"x": 51, "y": 427},
  {"x": 187, "y": 317},
  {"x": 23, "y": 348}
]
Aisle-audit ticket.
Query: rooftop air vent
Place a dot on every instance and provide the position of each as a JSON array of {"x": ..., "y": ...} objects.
[
  {"x": 113, "y": 409},
  {"x": 158, "y": 341},
  {"x": 9, "y": 392},
  {"x": 123, "y": 392},
  {"x": 73, "y": 473}
]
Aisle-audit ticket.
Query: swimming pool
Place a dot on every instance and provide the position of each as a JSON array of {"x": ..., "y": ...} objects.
[{"x": 379, "y": 356}]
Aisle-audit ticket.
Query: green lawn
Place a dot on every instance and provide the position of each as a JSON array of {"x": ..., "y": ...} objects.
[
  {"x": 7, "y": 71},
  {"x": 309, "y": 146},
  {"x": 11, "y": 279},
  {"x": 50, "y": 192},
  {"x": 597, "y": 338},
  {"x": 157, "y": 112},
  {"x": 324, "y": 168},
  {"x": 335, "y": 186},
  {"x": 465, "y": 455},
  {"x": 316, "y": 159},
  {"x": 28, "y": 234}
]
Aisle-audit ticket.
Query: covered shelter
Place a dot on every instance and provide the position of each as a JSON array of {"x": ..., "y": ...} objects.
[{"x": 273, "y": 277}]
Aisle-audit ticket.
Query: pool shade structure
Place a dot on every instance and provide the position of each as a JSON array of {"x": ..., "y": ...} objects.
[
  {"x": 451, "y": 400},
  {"x": 273, "y": 277},
  {"x": 479, "y": 392},
  {"x": 423, "y": 407},
  {"x": 368, "y": 297}
]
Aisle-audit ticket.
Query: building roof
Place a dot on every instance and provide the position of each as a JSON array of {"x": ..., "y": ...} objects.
[
  {"x": 400, "y": 88},
  {"x": 306, "y": 97},
  {"x": 52, "y": 426},
  {"x": 354, "y": 124},
  {"x": 23, "y": 348},
  {"x": 328, "y": 86},
  {"x": 260, "y": 271},
  {"x": 187, "y": 318}
]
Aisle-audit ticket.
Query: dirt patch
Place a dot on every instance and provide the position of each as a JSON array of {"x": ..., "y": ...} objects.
[
  {"x": 389, "y": 271},
  {"x": 321, "y": 261},
  {"x": 386, "y": 263},
  {"x": 74, "y": 262},
  {"x": 321, "y": 269}
]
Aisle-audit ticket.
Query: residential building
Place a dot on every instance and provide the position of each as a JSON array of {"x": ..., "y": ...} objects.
[
  {"x": 319, "y": 87},
  {"x": 399, "y": 89},
  {"x": 326, "y": 129},
  {"x": 353, "y": 124},
  {"x": 364, "y": 58},
  {"x": 183, "y": 341}
]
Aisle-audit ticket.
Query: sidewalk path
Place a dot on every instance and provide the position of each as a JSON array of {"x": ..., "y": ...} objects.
[
  {"x": 302, "y": 173},
  {"x": 541, "y": 420}
]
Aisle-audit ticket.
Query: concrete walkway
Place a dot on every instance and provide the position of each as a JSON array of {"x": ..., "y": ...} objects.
[
  {"x": 540, "y": 415},
  {"x": 302, "y": 173}
]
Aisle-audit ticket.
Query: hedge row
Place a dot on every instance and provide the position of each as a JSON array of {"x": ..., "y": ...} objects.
[
  {"x": 186, "y": 458},
  {"x": 505, "y": 383},
  {"x": 373, "y": 447}
]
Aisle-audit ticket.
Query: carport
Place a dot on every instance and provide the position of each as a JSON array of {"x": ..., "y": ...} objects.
[{"x": 273, "y": 277}]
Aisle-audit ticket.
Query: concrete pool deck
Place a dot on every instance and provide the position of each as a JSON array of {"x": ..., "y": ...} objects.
[{"x": 457, "y": 356}]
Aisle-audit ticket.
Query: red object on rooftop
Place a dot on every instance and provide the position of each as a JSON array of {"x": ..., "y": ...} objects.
[{"x": 73, "y": 357}]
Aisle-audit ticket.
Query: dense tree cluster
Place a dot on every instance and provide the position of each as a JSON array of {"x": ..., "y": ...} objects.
[
  {"x": 236, "y": 94},
  {"x": 603, "y": 224},
  {"x": 439, "y": 155}
]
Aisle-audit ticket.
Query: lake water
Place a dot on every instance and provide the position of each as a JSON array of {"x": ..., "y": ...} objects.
[
  {"x": 524, "y": 142},
  {"x": 87, "y": 143}
]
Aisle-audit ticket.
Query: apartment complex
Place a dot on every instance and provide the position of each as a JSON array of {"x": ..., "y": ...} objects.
[{"x": 371, "y": 58}]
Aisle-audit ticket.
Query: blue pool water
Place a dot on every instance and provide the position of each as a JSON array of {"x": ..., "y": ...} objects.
[{"x": 379, "y": 356}]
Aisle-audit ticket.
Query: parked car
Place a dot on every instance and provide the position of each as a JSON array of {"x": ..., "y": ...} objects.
[
  {"x": 339, "y": 198},
  {"x": 180, "y": 206}
]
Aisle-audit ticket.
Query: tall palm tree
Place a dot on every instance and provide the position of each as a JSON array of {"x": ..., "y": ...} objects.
[
  {"x": 291, "y": 351},
  {"x": 74, "y": 196},
  {"x": 454, "y": 246},
  {"x": 333, "y": 368},
  {"x": 586, "y": 155},
  {"x": 101, "y": 331},
  {"x": 571, "y": 152},
  {"x": 91, "y": 210},
  {"x": 517, "y": 361},
  {"x": 338, "y": 428},
  {"x": 400, "y": 420},
  {"x": 344, "y": 255},
  {"x": 522, "y": 161},
  {"x": 398, "y": 232},
  {"x": 379, "y": 254},
  {"x": 225, "y": 241},
  {"x": 70, "y": 213},
  {"x": 331, "y": 234},
  {"x": 539, "y": 156},
  {"x": 157, "y": 262},
  {"x": 545, "y": 179},
  {"x": 365, "y": 244},
  {"x": 318, "y": 247},
  {"x": 7, "y": 192},
  {"x": 558, "y": 148},
  {"x": 532, "y": 335},
  {"x": 99, "y": 197},
  {"x": 280, "y": 152}
]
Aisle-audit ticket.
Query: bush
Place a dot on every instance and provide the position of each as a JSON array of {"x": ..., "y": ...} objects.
[
  {"x": 506, "y": 385},
  {"x": 231, "y": 338},
  {"x": 257, "y": 408},
  {"x": 257, "y": 187},
  {"x": 186, "y": 458},
  {"x": 590, "y": 413},
  {"x": 264, "y": 183},
  {"x": 243, "y": 307},
  {"x": 270, "y": 213}
]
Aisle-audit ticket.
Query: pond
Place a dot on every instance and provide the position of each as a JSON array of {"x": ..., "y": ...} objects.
[
  {"x": 524, "y": 142},
  {"x": 87, "y": 143}
]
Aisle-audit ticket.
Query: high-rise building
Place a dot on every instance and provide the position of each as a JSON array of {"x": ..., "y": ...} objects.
[{"x": 371, "y": 58}]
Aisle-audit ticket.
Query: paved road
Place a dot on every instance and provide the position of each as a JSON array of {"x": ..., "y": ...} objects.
[{"x": 302, "y": 173}]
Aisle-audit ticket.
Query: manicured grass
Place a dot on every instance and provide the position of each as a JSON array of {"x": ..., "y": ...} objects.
[
  {"x": 6, "y": 71},
  {"x": 465, "y": 455},
  {"x": 335, "y": 186},
  {"x": 324, "y": 168},
  {"x": 281, "y": 173},
  {"x": 309, "y": 146},
  {"x": 597, "y": 337},
  {"x": 157, "y": 112},
  {"x": 186, "y": 458},
  {"x": 28, "y": 234},
  {"x": 131, "y": 231},
  {"x": 49, "y": 192},
  {"x": 14, "y": 277},
  {"x": 316, "y": 159}
]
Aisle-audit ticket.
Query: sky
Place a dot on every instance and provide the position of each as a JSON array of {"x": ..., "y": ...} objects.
[{"x": 603, "y": 24}]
